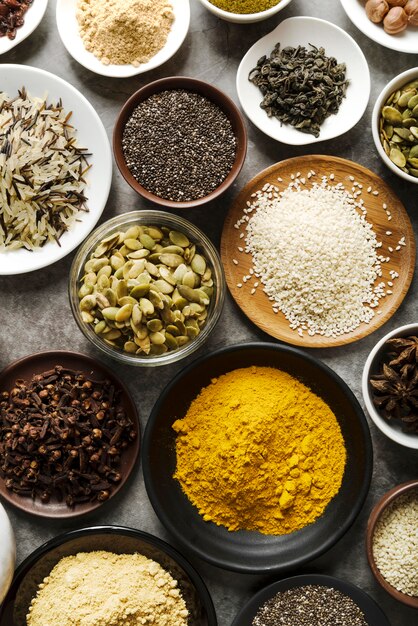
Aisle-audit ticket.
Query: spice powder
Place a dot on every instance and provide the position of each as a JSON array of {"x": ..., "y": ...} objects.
[{"x": 280, "y": 458}]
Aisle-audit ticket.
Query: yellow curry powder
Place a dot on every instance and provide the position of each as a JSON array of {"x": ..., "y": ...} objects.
[
  {"x": 244, "y": 6},
  {"x": 258, "y": 450}
]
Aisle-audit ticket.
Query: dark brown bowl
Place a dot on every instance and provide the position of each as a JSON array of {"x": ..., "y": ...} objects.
[
  {"x": 375, "y": 515},
  {"x": 245, "y": 551},
  {"x": 205, "y": 89},
  {"x": 40, "y": 362}
]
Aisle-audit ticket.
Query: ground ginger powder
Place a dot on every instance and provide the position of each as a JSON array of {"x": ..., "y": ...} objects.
[
  {"x": 124, "y": 31},
  {"x": 105, "y": 589},
  {"x": 258, "y": 450}
]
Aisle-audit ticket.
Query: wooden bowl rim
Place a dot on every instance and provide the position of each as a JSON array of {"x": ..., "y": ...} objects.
[{"x": 386, "y": 500}]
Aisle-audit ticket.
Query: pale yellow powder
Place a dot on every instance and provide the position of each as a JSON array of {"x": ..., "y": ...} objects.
[
  {"x": 124, "y": 32},
  {"x": 105, "y": 589}
]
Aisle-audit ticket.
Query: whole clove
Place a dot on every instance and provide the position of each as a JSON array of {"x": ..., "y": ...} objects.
[
  {"x": 62, "y": 436},
  {"x": 12, "y": 14}
]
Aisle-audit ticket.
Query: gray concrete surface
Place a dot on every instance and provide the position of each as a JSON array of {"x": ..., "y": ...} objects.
[{"x": 35, "y": 313}]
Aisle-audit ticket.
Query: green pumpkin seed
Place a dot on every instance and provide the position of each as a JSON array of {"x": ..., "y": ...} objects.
[
  {"x": 130, "y": 346},
  {"x": 113, "y": 334},
  {"x": 154, "y": 325},
  {"x": 409, "y": 121},
  {"x": 171, "y": 259},
  {"x": 189, "y": 279},
  {"x": 88, "y": 303},
  {"x": 147, "y": 242},
  {"x": 144, "y": 344},
  {"x": 198, "y": 264},
  {"x": 405, "y": 97},
  {"x": 157, "y": 338},
  {"x": 122, "y": 289},
  {"x": 397, "y": 157},
  {"x": 147, "y": 307},
  {"x": 182, "y": 340},
  {"x": 110, "y": 312},
  {"x": 172, "y": 330},
  {"x": 110, "y": 294},
  {"x": 413, "y": 162},
  {"x": 133, "y": 232},
  {"x": 139, "y": 291},
  {"x": 170, "y": 340},
  {"x": 166, "y": 275},
  {"x": 392, "y": 115},
  {"x": 414, "y": 131},
  {"x": 127, "y": 300},
  {"x": 163, "y": 286},
  {"x": 84, "y": 290},
  {"x": 100, "y": 327},
  {"x": 402, "y": 132},
  {"x": 117, "y": 261},
  {"x": 139, "y": 254},
  {"x": 155, "y": 232},
  {"x": 87, "y": 317},
  {"x": 102, "y": 301},
  {"x": 156, "y": 298},
  {"x": 136, "y": 314},
  {"x": 179, "y": 239},
  {"x": 132, "y": 244}
]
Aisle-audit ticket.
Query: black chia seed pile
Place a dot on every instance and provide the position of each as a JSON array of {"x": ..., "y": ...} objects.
[
  {"x": 312, "y": 605},
  {"x": 179, "y": 145}
]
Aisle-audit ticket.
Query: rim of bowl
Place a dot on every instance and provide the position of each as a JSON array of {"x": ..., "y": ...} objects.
[
  {"x": 395, "y": 83},
  {"x": 193, "y": 574},
  {"x": 246, "y": 17},
  {"x": 408, "y": 440},
  {"x": 342, "y": 529},
  {"x": 376, "y": 513},
  {"x": 156, "y": 217},
  {"x": 218, "y": 97}
]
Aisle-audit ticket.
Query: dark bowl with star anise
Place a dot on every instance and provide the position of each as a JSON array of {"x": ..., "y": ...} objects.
[{"x": 390, "y": 385}]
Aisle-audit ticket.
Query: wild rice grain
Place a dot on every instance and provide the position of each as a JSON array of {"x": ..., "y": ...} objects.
[{"x": 41, "y": 172}]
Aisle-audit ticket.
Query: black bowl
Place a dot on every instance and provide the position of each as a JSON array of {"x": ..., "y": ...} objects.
[
  {"x": 249, "y": 551},
  {"x": 113, "y": 539},
  {"x": 373, "y": 614}
]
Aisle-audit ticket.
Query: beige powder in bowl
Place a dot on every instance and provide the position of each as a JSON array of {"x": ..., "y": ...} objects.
[
  {"x": 122, "y": 33},
  {"x": 101, "y": 588}
]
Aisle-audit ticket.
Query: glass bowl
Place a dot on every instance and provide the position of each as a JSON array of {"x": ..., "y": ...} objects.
[{"x": 148, "y": 218}]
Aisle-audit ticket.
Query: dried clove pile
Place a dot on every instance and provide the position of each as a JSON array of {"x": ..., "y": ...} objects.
[
  {"x": 395, "y": 387},
  {"x": 12, "y": 16},
  {"x": 301, "y": 87},
  {"x": 62, "y": 436}
]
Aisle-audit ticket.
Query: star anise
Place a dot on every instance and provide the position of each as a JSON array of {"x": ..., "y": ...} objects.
[{"x": 395, "y": 388}]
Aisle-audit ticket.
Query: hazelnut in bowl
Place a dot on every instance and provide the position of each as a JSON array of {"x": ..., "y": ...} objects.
[
  {"x": 179, "y": 142},
  {"x": 390, "y": 385},
  {"x": 392, "y": 543},
  {"x": 244, "y": 11},
  {"x": 395, "y": 125},
  {"x": 147, "y": 288}
]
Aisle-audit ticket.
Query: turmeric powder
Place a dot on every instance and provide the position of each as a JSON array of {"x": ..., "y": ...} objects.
[{"x": 258, "y": 450}]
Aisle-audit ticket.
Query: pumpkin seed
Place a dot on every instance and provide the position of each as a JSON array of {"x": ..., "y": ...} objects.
[
  {"x": 392, "y": 115},
  {"x": 88, "y": 303},
  {"x": 397, "y": 157},
  {"x": 179, "y": 239},
  {"x": 133, "y": 244},
  {"x": 147, "y": 241},
  {"x": 130, "y": 346},
  {"x": 198, "y": 264},
  {"x": 154, "y": 325},
  {"x": 171, "y": 259}
]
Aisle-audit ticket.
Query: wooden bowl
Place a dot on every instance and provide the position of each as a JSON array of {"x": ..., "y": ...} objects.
[
  {"x": 237, "y": 263},
  {"x": 196, "y": 86},
  {"x": 375, "y": 515}
]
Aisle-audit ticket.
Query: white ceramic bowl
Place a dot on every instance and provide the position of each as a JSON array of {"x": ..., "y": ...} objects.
[
  {"x": 407, "y": 41},
  {"x": 91, "y": 134},
  {"x": 7, "y": 553},
  {"x": 391, "y": 429},
  {"x": 68, "y": 29},
  {"x": 33, "y": 17},
  {"x": 244, "y": 18},
  {"x": 392, "y": 86},
  {"x": 303, "y": 31}
]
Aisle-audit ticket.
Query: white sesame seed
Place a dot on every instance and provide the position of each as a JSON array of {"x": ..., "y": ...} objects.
[{"x": 234, "y": 261}]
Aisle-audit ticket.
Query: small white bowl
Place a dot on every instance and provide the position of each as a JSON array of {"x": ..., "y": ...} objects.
[
  {"x": 392, "y": 86},
  {"x": 33, "y": 18},
  {"x": 244, "y": 18},
  {"x": 7, "y": 553},
  {"x": 303, "y": 31},
  {"x": 69, "y": 32},
  {"x": 406, "y": 41},
  {"x": 392, "y": 428},
  {"x": 91, "y": 134}
]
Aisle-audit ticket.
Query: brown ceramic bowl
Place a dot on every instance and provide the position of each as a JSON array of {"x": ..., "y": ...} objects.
[
  {"x": 197, "y": 86},
  {"x": 40, "y": 362},
  {"x": 375, "y": 515}
]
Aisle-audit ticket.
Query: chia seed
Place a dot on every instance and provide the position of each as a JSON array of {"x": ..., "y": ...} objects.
[
  {"x": 179, "y": 145},
  {"x": 312, "y": 605}
]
